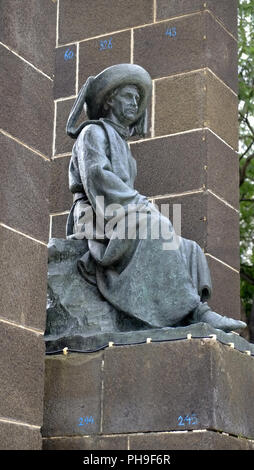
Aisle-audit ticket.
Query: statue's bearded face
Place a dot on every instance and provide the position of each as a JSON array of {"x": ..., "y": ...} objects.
[{"x": 124, "y": 104}]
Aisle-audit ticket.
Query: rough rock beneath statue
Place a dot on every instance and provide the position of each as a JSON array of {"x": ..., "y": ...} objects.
[
  {"x": 74, "y": 306},
  {"x": 78, "y": 317}
]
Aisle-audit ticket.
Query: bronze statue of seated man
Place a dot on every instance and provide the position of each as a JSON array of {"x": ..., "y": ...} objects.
[{"x": 154, "y": 276}]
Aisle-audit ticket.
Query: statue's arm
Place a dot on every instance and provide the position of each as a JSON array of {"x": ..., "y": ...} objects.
[{"x": 96, "y": 171}]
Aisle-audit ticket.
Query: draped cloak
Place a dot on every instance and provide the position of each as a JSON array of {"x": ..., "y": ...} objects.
[{"x": 138, "y": 276}]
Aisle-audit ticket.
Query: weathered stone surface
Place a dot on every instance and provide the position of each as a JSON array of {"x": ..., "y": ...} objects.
[
  {"x": 81, "y": 20},
  {"x": 22, "y": 374},
  {"x": 65, "y": 71},
  {"x": 30, "y": 31},
  {"x": 24, "y": 189},
  {"x": 75, "y": 307},
  {"x": 184, "y": 44},
  {"x": 72, "y": 391},
  {"x": 23, "y": 274},
  {"x": 18, "y": 437},
  {"x": 196, "y": 100},
  {"x": 59, "y": 226},
  {"x": 201, "y": 440},
  {"x": 86, "y": 443},
  {"x": 26, "y": 115},
  {"x": 210, "y": 222},
  {"x": 60, "y": 197},
  {"x": 225, "y": 298},
  {"x": 97, "y": 54},
  {"x": 63, "y": 143},
  {"x": 186, "y": 162},
  {"x": 224, "y": 10},
  {"x": 214, "y": 391}
]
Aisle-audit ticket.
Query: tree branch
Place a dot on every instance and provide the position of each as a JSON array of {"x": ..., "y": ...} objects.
[
  {"x": 244, "y": 168},
  {"x": 244, "y": 118},
  {"x": 247, "y": 277},
  {"x": 246, "y": 151}
]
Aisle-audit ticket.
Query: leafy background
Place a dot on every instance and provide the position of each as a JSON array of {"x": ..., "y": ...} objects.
[{"x": 246, "y": 158}]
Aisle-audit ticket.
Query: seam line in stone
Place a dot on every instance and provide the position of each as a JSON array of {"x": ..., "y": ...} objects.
[
  {"x": 223, "y": 200},
  {"x": 146, "y": 25},
  {"x": 23, "y": 327},
  {"x": 188, "y": 72},
  {"x": 77, "y": 67},
  {"x": 26, "y": 61},
  {"x": 147, "y": 139},
  {"x": 65, "y": 98},
  {"x": 54, "y": 214},
  {"x": 57, "y": 23},
  {"x": 222, "y": 262},
  {"x": 220, "y": 23},
  {"x": 54, "y": 130},
  {"x": 127, "y": 29},
  {"x": 20, "y": 423},
  {"x": 184, "y": 193},
  {"x": 25, "y": 145},
  {"x": 61, "y": 155},
  {"x": 132, "y": 46},
  {"x": 154, "y": 11},
  {"x": 23, "y": 234}
]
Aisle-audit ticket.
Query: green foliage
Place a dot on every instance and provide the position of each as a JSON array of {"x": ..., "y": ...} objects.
[{"x": 246, "y": 148}]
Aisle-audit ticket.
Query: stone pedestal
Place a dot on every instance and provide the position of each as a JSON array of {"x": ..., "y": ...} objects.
[{"x": 186, "y": 394}]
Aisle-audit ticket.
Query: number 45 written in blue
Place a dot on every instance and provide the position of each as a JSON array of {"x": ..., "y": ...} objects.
[{"x": 171, "y": 32}]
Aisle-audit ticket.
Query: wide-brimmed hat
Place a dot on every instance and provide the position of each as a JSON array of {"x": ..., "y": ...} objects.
[{"x": 96, "y": 89}]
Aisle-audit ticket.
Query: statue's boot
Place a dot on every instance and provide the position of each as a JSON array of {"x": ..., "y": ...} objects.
[{"x": 203, "y": 313}]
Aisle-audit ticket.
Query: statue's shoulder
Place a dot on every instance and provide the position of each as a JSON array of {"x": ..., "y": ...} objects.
[{"x": 94, "y": 130}]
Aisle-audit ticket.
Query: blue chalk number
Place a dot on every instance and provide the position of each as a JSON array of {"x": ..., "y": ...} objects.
[{"x": 171, "y": 32}]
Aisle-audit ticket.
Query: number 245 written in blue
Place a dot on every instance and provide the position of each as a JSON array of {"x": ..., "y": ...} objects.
[
  {"x": 171, "y": 32},
  {"x": 189, "y": 419}
]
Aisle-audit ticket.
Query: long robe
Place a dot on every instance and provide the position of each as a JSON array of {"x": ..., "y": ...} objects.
[{"x": 138, "y": 276}]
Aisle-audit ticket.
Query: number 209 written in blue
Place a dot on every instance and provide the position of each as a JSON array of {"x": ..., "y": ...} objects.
[{"x": 83, "y": 420}]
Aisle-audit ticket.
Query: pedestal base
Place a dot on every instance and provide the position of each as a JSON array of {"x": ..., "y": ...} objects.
[{"x": 113, "y": 398}]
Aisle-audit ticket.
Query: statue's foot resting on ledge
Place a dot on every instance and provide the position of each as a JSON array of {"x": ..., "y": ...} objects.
[{"x": 203, "y": 313}]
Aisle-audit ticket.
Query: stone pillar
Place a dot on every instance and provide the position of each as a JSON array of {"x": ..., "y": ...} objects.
[
  {"x": 27, "y": 35},
  {"x": 137, "y": 394}
]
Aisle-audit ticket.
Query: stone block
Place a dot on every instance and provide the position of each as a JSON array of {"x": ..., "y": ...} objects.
[
  {"x": 86, "y": 443},
  {"x": 97, "y": 54},
  {"x": 186, "y": 162},
  {"x": 224, "y": 10},
  {"x": 225, "y": 298},
  {"x": 59, "y": 226},
  {"x": 22, "y": 374},
  {"x": 24, "y": 189},
  {"x": 64, "y": 143},
  {"x": 222, "y": 162},
  {"x": 200, "y": 440},
  {"x": 193, "y": 101},
  {"x": 65, "y": 71},
  {"x": 27, "y": 105},
  {"x": 72, "y": 391},
  {"x": 210, "y": 222},
  {"x": 147, "y": 389},
  {"x": 17, "y": 437},
  {"x": 30, "y": 31},
  {"x": 83, "y": 19},
  {"x": 184, "y": 44},
  {"x": 60, "y": 196},
  {"x": 23, "y": 285}
]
